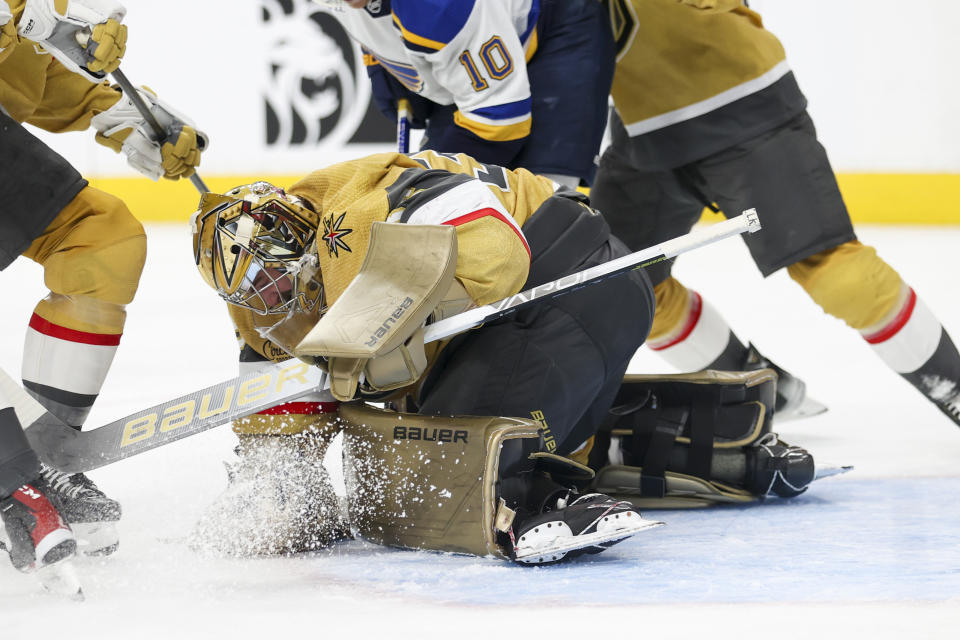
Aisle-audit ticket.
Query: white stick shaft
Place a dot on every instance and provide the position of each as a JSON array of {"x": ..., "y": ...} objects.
[{"x": 747, "y": 221}]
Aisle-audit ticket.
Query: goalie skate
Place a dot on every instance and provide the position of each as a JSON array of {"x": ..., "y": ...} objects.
[{"x": 589, "y": 524}]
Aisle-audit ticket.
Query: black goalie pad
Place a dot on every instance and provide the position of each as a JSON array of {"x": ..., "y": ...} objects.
[{"x": 666, "y": 434}]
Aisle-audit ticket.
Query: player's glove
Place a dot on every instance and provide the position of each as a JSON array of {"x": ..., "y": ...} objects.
[
  {"x": 123, "y": 129},
  {"x": 387, "y": 90},
  {"x": 398, "y": 368},
  {"x": 84, "y": 35}
]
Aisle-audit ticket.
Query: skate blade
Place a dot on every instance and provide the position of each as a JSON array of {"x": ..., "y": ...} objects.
[
  {"x": 827, "y": 469},
  {"x": 806, "y": 409},
  {"x": 556, "y": 549},
  {"x": 60, "y": 579},
  {"x": 96, "y": 538}
]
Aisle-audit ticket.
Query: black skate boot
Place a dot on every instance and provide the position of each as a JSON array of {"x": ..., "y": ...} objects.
[
  {"x": 776, "y": 468},
  {"x": 566, "y": 529},
  {"x": 792, "y": 399},
  {"x": 91, "y": 514},
  {"x": 37, "y": 534}
]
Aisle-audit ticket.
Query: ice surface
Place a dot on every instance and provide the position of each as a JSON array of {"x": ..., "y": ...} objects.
[{"x": 872, "y": 553}]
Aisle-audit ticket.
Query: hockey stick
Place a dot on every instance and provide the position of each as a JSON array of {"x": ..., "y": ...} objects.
[
  {"x": 158, "y": 129},
  {"x": 83, "y": 37},
  {"x": 745, "y": 222},
  {"x": 403, "y": 125},
  {"x": 72, "y": 451},
  {"x": 151, "y": 119}
]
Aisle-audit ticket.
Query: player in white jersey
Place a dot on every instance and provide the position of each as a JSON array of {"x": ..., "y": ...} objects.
[{"x": 518, "y": 83}]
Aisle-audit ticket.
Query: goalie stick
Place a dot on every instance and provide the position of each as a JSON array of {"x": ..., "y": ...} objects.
[
  {"x": 67, "y": 449},
  {"x": 745, "y": 222},
  {"x": 72, "y": 451}
]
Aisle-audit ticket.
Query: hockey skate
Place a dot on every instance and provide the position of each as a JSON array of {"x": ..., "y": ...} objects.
[
  {"x": 589, "y": 524},
  {"x": 38, "y": 539},
  {"x": 278, "y": 501},
  {"x": 91, "y": 514},
  {"x": 792, "y": 400}
]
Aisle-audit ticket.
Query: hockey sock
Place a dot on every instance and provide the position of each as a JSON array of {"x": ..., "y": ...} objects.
[
  {"x": 914, "y": 344},
  {"x": 64, "y": 368},
  {"x": 690, "y": 334}
]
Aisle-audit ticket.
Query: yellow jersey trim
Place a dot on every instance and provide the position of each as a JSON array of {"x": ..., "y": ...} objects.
[
  {"x": 531, "y": 46},
  {"x": 415, "y": 39},
  {"x": 498, "y": 133}
]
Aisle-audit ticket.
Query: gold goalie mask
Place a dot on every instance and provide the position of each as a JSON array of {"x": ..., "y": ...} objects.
[{"x": 254, "y": 246}]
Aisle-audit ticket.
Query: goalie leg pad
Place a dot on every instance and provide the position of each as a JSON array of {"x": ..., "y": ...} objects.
[
  {"x": 425, "y": 482},
  {"x": 696, "y": 439}
]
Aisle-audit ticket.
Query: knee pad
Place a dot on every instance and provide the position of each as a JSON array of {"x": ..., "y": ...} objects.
[
  {"x": 693, "y": 440},
  {"x": 850, "y": 282},
  {"x": 429, "y": 482},
  {"x": 95, "y": 250}
]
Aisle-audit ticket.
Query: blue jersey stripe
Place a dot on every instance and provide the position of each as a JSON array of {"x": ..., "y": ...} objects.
[
  {"x": 503, "y": 111},
  {"x": 406, "y": 74},
  {"x": 437, "y": 20},
  {"x": 531, "y": 20}
]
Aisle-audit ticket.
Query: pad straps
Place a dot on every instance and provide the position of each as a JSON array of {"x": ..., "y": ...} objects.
[
  {"x": 702, "y": 420},
  {"x": 654, "y": 431}
]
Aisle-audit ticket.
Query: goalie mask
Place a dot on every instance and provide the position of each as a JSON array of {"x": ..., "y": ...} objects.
[{"x": 253, "y": 245}]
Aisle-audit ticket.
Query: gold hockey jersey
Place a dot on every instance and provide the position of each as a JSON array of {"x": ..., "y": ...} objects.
[
  {"x": 696, "y": 76},
  {"x": 36, "y": 89},
  {"x": 487, "y": 204}
]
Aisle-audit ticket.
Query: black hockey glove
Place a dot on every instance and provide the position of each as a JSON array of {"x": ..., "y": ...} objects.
[{"x": 387, "y": 90}]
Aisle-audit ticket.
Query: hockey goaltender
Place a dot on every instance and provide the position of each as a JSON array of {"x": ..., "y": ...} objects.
[{"x": 520, "y": 439}]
